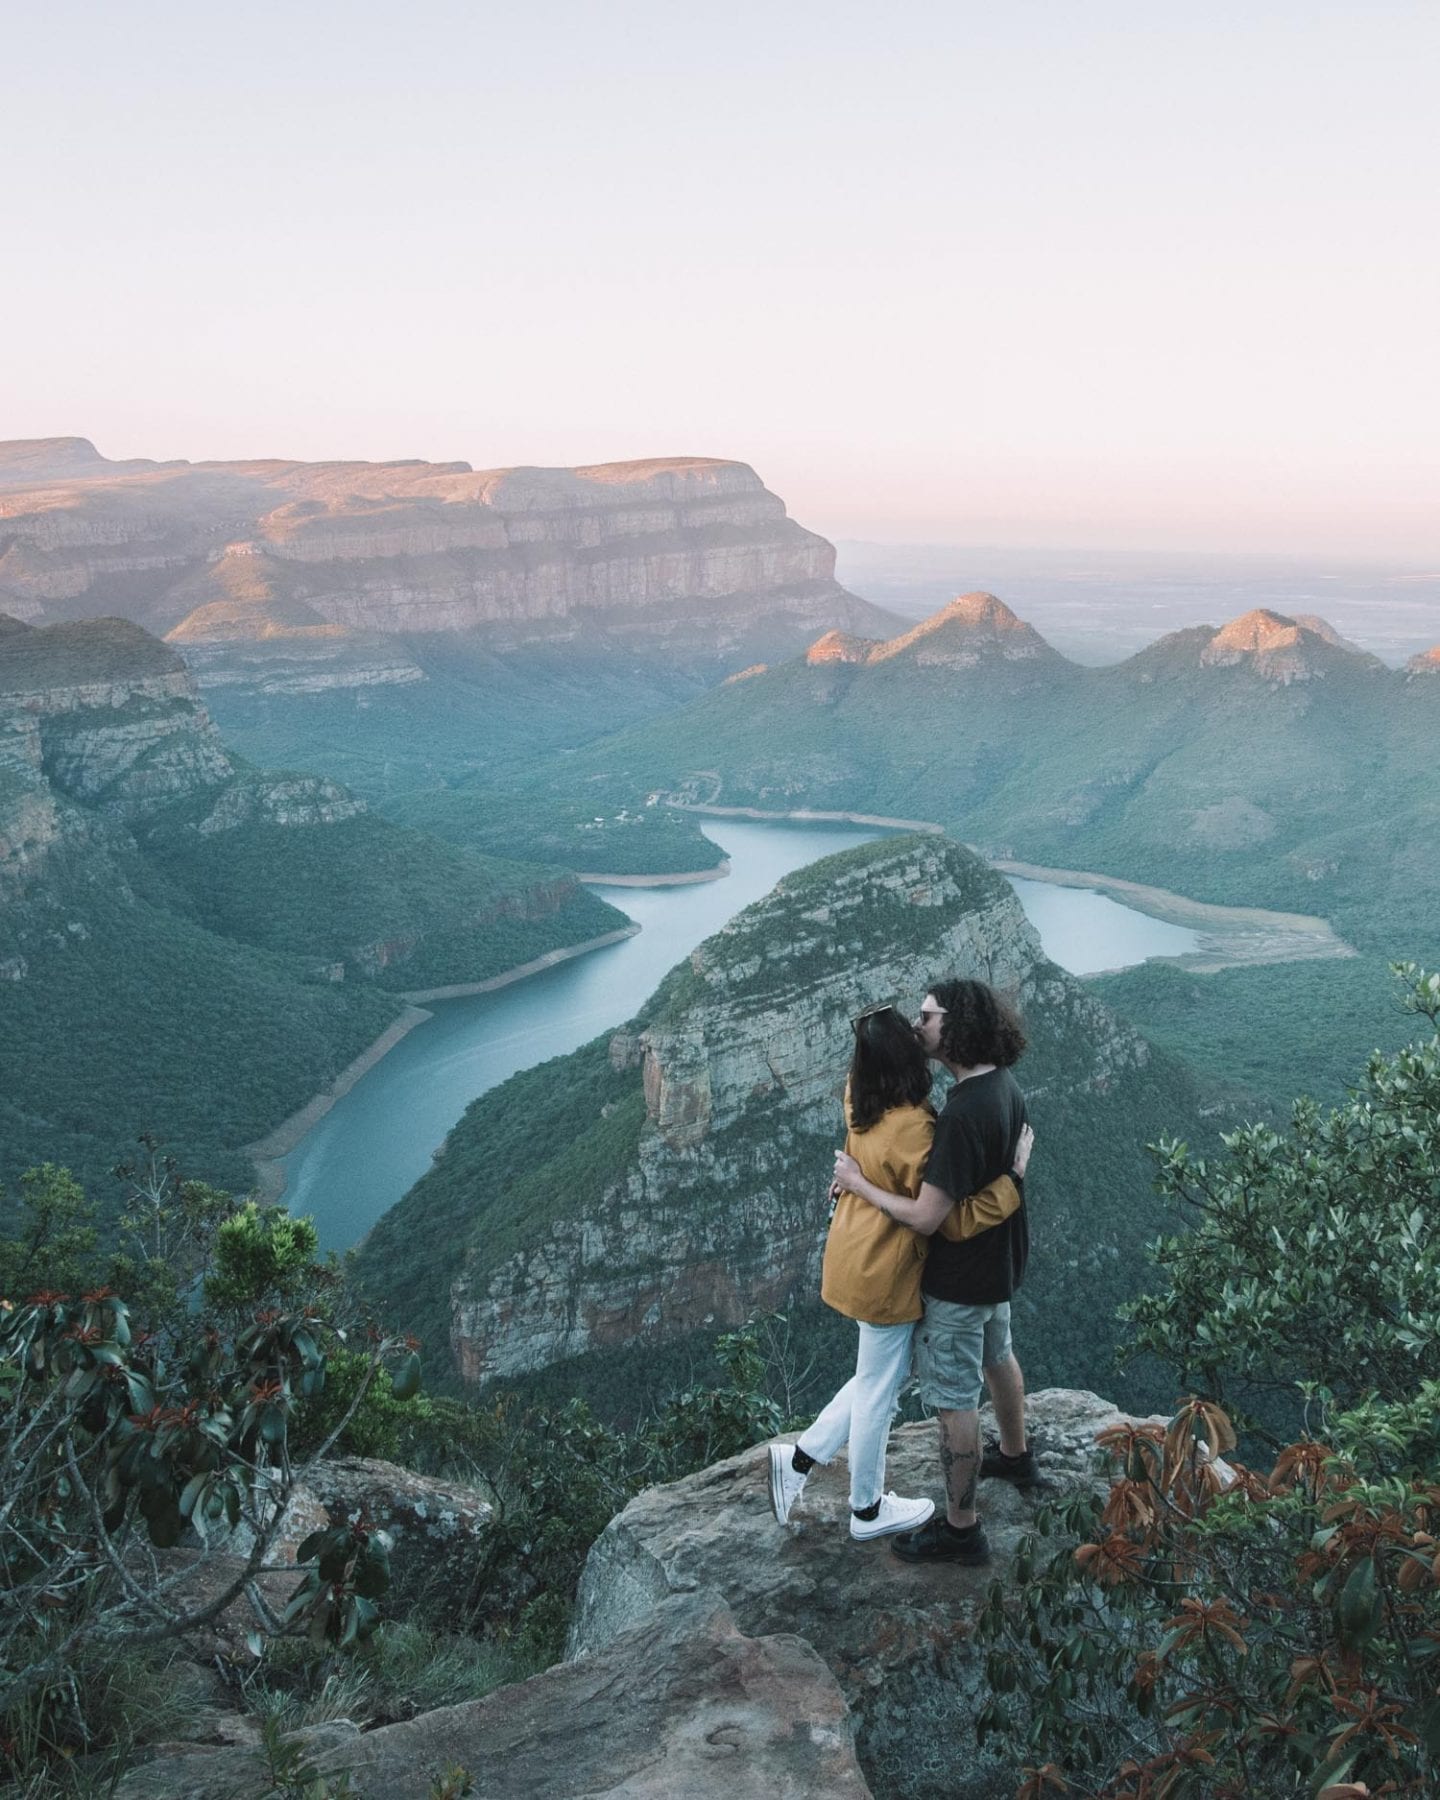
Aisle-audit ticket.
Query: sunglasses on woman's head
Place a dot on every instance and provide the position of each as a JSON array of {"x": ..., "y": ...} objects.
[{"x": 872, "y": 1012}]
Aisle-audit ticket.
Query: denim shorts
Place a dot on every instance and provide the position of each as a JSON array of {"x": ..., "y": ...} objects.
[{"x": 952, "y": 1345}]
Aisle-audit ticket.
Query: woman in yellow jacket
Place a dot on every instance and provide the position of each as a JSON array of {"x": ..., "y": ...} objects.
[{"x": 871, "y": 1273}]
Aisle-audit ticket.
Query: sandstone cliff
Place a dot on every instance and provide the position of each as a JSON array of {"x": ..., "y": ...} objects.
[{"x": 692, "y": 554}]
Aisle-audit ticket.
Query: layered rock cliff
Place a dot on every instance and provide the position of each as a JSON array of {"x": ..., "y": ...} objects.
[
  {"x": 690, "y": 1192},
  {"x": 691, "y": 553}
]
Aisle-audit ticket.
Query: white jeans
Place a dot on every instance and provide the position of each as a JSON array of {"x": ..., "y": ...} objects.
[{"x": 862, "y": 1410}]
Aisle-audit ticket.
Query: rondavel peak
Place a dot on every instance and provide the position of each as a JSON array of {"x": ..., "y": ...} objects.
[
  {"x": 1283, "y": 649},
  {"x": 972, "y": 629}
]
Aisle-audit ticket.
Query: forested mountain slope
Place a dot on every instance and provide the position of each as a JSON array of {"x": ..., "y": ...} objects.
[{"x": 192, "y": 946}]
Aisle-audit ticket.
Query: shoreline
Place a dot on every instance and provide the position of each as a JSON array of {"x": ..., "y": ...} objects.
[
  {"x": 266, "y": 1153},
  {"x": 1230, "y": 936},
  {"x": 463, "y": 989},
  {"x": 687, "y": 879},
  {"x": 806, "y": 817}
]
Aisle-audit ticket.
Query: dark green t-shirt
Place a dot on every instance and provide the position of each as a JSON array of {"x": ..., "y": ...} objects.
[{"x": 976, "y": 1137}]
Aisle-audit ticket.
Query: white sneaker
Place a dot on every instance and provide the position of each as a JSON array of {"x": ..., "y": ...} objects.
[
  {"x": 895, "y": 1514},
  {"x": 785, "y": 1481}
]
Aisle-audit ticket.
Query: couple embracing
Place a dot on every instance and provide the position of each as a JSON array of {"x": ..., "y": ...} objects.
[{"x": 927, "y": 1244}]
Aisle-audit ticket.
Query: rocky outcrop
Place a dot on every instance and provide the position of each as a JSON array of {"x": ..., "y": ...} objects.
[
  {"x": 841, "y": 647},
  {"x": 1426, "y": 663},
  {"x": 438, "y": 1526},
  {"x": 280, "y": 800},
  {"x": 683, "y": 1706},
  {"x": 898, "y": 1639},
  {"x": 109, "y": 716},
  {"x": 973, "y": 629},
  {"x": 1281, "y": 649},
  {"x": 712, "y": 1650},
  {"x": 741, "y": 1058},
  {"x": 688, "y": 552},
  {"x": 103, "y": 714}
]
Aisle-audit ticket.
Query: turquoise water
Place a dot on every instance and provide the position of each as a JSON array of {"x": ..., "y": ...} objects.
[
  {"x": 1087, "y": 932},
  {"x": 380, "y": 1138}
]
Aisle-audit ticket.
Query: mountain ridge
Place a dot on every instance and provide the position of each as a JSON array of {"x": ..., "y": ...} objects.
[{"x": 161, "y": 899}]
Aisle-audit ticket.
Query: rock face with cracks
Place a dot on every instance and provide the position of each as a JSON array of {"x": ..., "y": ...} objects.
[
  {"x": 898, "y": 1637},
  {"x": 682, "y": 1706}
]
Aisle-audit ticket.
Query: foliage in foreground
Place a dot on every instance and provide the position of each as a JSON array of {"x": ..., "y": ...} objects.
[
  {"x": 160, "y": 1404},
  {"x": 1311, "y": 1258},
  {"x": 129, "y": 1432},
  {"x": 1221, "y": 1632}
]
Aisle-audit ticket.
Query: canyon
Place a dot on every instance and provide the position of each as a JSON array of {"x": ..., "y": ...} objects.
[{"x": 678, "y": 1184}]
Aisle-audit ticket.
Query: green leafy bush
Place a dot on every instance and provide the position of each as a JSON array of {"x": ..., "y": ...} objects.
[
  {"x": 1219, "y": 1632},
  {"x": 131, "y": 1430},
  {"x": 1310, "y": 1256}
]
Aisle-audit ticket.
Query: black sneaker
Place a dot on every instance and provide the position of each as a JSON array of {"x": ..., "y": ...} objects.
[
  {"x": 1020, "y": 1470},
  {"x": 936, "y": 1542}
]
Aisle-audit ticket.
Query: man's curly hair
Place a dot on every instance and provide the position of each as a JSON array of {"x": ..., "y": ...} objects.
[{"x": 979, "y": 1026}]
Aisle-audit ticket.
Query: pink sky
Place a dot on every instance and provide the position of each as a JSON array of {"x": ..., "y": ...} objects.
[{"x": 1116, "y": 274}]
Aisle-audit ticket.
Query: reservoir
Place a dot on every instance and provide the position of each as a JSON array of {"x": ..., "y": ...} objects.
[
  {"x": 1088, "y": 933},
  {"x": 379, "y": 1139}
]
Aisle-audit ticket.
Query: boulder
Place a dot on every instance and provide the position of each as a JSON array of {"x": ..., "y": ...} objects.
[
  {"x": 898, "y": 1638},
  {"x": 683, "y": 1705},
  {"x": 437, "y": 1525}
]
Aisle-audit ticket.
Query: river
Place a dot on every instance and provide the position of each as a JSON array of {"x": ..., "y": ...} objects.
[{"x": 377, "y": 1140}]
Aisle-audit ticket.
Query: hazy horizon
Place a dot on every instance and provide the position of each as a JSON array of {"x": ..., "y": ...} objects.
[{"x": 1112, "y": 277}]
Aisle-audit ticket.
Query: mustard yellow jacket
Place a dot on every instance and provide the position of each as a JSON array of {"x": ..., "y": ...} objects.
[{"x": 872, "y": 1262}]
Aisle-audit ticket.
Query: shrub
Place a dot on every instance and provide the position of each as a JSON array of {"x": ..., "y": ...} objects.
[
  {"x": 1311, "y": 1258},
  {"x": 1219, "y": 1632},
  {"x": 1222, "y": 1633},
  {"x": 125, "y": 1432}
]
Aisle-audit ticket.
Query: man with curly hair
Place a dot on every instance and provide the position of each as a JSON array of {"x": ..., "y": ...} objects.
[{"x": 964, "y": 1337}]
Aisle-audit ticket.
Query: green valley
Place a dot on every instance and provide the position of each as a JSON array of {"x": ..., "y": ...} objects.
[{"x": 192, "y": 947}]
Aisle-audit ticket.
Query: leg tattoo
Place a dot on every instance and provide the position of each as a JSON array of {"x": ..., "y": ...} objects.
[{"x": 961, "y": 1469}]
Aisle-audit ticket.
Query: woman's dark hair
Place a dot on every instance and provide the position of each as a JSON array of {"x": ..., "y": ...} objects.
[
  {"x": 888, "y": 1067},
  {"x": 979, "y": 1026}
]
